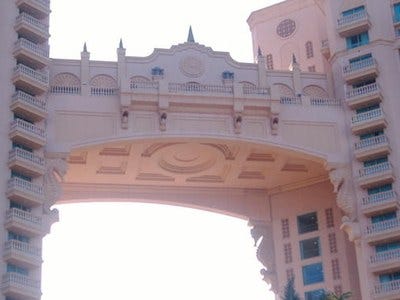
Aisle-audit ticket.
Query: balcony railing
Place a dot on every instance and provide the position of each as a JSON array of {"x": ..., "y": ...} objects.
[
  {"x": 19, "y": 124},
  {"x": 382, "y": 226},
  {"x": 19, "y": 281},
  {"x": 362, "y": 91},
  {"x": 253, "y": 90},
  {"x": 371, "y": 142},
  {"x": 65, "y": 90},
  {"x": 385, "y": 256},
  {"x": 359, "y": 65},
  {"x": 24, "y": 17},
  {"x": 378, "y": 198},
  {"x": 391, "y": 287},
  {"x": 15, "y": 214},
  {"x": 25, "y": 248},
  {"x": 375, "y": 169},
  {"x": 367, "y": 116},
  {"x": 22, "y": 185},
  {"x": 28, "y": 45},
  {"x": 351, "y": 19},
  {"x": 199, "y": 88},
  {"x": 290, "y": 100},
  {"x": 42, "y": 77},
  {"x": 30, "y": 100},
  {"x": 325, "y": 102},
  {"x": 98, "y": 91},
  {"x": 144, "y": 85},
  {"x": 18, "y": 153}
]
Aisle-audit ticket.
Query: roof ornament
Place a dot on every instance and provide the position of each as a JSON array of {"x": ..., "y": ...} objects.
[
  {"x": 84, "y": 47},
  {"x": 190, "y": 38},
  {"x": 294, "y": 60},
  {"x": 259, "y": 51},
  {"x": 120, "y": 44}
]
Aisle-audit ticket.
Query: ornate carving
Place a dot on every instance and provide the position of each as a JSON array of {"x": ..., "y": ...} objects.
[
  {"x": 55, "y": 170},
  {"x": 352, "y": 228},
  {"x": 192, "y": 66},
  {"x": 265, "y": 251},
  {"x": 124, "y": 119},
  {"x": 103, "y": 81},
  {"x": 66, "y": 79}
]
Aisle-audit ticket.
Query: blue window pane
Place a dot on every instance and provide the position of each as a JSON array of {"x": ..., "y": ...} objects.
[
  {"x": 389, "y": 277},
  {"x": 20, "y": 175},
  {"x": 383, "y": 217},
  {"x": 375, "y": 161},
  {"x": 307, "y": 222},
  {"x": 387, "y": 246},
  {"x": 313, "y": 274},
  {"x": 357, "y": 40},
  {"x": 309, "y": 248},
  {"x": 315, "y": 295},
  {"x": 17, "y": 237},
  {"x": 16, "y": 269},
  {"x": 367, "y": 108},
  {"x": 371, "y": 134},
  {"x": 353, "y": 11},
  {"x": 396, "y": 16},
  {"x": 380, "y": 189}
]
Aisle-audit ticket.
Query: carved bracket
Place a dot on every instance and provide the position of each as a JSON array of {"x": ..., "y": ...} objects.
[{"x": 56, "y": 168}]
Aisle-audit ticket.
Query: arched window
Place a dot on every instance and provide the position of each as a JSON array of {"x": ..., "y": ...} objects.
[
  {"x": 270, "y": 62},
  {"x": 309, "y": 49}
]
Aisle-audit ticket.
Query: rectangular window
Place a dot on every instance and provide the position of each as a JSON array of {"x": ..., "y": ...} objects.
[
  {"x": 313, "y": 274},
  {"x": 20, "y": 175},
  {"x": 379, "y": 189},
  {"x": 383, "y": 217},
  {"x": 20, "y": 146},
  {"x": 387, "y": 246},
  {"x": 389, "y": 277},
  {"x": 353, "y": 11},
  {"x": 329, "y": 218},
  {"x": 17, "y": 237},
  {"x": 357, "y": 40},
  {"x": 19, "y": 206},
  {"x": 309, "y": 248},
  {"x": 315, "y": 295},
  {"x": 371, "y": 134},
  {"x": 16, "y": 269},
  {"x": 376, "y": 161},
  {"x": 396, "y": 13},
  {"x": 307, "y": 222},
  {"x": 363, "y": 83}
]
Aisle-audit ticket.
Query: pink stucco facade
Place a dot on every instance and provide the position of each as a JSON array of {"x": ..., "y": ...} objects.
[{"x": 301, "y": 143}]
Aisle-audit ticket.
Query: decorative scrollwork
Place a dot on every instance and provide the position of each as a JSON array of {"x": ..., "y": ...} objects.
[{"x": 55, "y": 170}]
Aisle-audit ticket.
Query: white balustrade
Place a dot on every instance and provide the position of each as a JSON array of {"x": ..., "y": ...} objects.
[
  {"x": 25, "y": 186},
  {"x": 193, "y": 87},
  {"x": 18, "y": 153},
  {"x": 14, "y": 245},
  {"x": 75, "y": 90},
  {"x": 325, "y": 102},
  {"x": 391, "y": 287},
  {"x": 24, "y": 17},
  {"x": 367, "y": 116},
  {"x": 253, "y": 90},
  {"x": 382, "y": 226},
  {"x": 29, "y": 99},
  {"x": 375, "y": 169},
  {"x": 363, "y": 90},
  {"x": 17, "y": 279},
  {"x": 353, "y": 18},
  {"x": 371, "y": 142},
  {"x": 26, "y": 44},
  {"x": 26, "y": 216},
  {"x": 378, "y": 197},
  {"x": 290, "y": 100},
  {"x": 28, "y": 127},
  {"x": 385, "y": 256},
  {"x": 144, "y": 85},
  {"x": 42, "y": 77},
  {"x": 359, "y": 65},
  {"x": 100, "y": 91}
]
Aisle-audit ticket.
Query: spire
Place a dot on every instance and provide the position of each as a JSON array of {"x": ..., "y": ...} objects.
[
  {"x": 190, "y": 38},
  {"x": 120, "y": 44},
  {"x": 259, "y": 51},
  {"x": 294, "y": 60},
  {"x": 84, "y": 47}
]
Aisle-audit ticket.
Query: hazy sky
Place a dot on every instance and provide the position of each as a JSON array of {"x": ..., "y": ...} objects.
[{"x": 143, "y": 251}]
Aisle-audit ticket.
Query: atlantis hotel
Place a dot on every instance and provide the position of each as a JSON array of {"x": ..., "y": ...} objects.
[{"x": 301, "y": 143}]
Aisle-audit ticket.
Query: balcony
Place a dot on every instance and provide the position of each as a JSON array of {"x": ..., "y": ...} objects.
[
  {"x": 30, "y": 28},
  {"x": 374, "y": 175},
  {"x": 361, "y": 70},
  {"x": 30, "y": 80},
  {"x": 31, "y": 54},
  {"x": 25, "y": 192},
  {"x": 363, "y": 96},
  {"x": 353, "y": 24},
  {"x": 368, "y": 121},
  {"x": 387, "y": 291},
  {"x": 18, "y": 286},
  {"x": 23, "y": 222},
  {"x": 379, "y": 202},
  {"x": 383, "y": 231},
  {"x": 29, "y": 107},
  {"x": 26, "y": 162},
  {"x": 22, "y": 254},
  {"x": 372, "y": 147},
  {"x": 37, "y": 8},
  {"x": 385, "y": 261},
  {"x": 197, "y": 88},
  {"x": 26, "y": 133}
]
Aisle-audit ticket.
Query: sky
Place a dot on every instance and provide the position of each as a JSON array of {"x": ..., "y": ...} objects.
[{"x": 145, "y": 251}]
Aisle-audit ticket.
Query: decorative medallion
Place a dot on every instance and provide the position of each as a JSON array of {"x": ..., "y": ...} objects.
[
  {"x": 286, "y": 28},
  {"x": 192, "y": 66}
]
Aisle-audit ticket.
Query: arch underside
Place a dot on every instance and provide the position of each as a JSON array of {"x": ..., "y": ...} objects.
[{"x": 226, "y": 176}]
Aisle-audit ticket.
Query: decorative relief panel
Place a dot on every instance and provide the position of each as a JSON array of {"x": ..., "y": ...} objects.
[{"x": 192, "y": 66}]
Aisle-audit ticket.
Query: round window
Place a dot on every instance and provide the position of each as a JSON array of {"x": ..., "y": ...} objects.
[{"x": 286, "y": 28}]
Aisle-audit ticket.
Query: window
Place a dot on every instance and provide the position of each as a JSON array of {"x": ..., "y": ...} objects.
[
  {"x": 357, "y": 40},
  {"x": 353, "y": 11},
  {"x": 311, "y": 69},
  {"x": 383, "y": 217},
  {"x": 309, "y": 49},
  {"x": 17, "y": 237},
  {"x": 307, "y": 222},
  {"x": 376, "y": 161},
  {"x": 19, "y": 206},
  {"x": 15, "y": 174},
  {"x": 270, "y": 62},
  {"x": 371, "y": 134},
  {"x": 332, "y": 243},
  {"x": 335, "y": 269},
  {"x": 287, "y": 249},
  {"x": 157, "y": 71},
  {"x": 309, "y": 248},
  {"x": 389, "y": 277},
  {"x": 329, "y": 218},
  {"x": 16, "y": 269},
  {"x": 20, "y": 146},
  {"x": 315, "y": 295},
  {"x": 228, "y": 75},
  {"x": 313, "y": 274},
  {"x": 396, "y": 13},
  {"x": 363, "y": 83},
  {"x": 367, "y": 108},
  {"x": 387, "y": 246},
  {"x": 285, "y": 228},
  {"x": 379, "y": 189}
]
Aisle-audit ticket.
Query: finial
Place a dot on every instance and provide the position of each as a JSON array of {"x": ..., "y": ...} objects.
[
  {"x": 259, "y": 51},
  {"x": 294, "y": 60},
  {"x": 84, "y": 47},
  {"x": 120, "y": 44},
  {"x": 190, "y": 38}
]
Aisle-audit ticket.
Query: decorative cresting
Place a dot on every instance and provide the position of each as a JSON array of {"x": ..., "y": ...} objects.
[
  {"x": 346, "y": 200},
  {"x": 265, "y": 250},
  {"x": 103, "y": 85},
  {"x": 65, "y": 83},
  {"x": 56, "y": 168}
]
